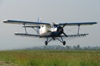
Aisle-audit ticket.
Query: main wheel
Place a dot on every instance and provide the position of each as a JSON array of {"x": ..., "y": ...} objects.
[
  {"x": 64, "y": 43},
  {"x": 46, "y": 43}
]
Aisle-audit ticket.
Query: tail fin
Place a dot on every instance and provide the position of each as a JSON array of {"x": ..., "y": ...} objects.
[{"x": 39, "y": 20}]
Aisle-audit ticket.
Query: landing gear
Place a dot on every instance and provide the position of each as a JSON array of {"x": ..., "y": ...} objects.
[
  {"x": 64, "y": 42},
  {"x": 48, "y": 40},
  {"x": 61, "y": 40},
  {"x": 53, "y": 38},
  {"x": 46, "y": 43}
]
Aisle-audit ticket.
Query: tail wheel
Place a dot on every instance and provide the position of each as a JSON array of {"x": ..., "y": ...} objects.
[
  {"x": 46, "y": 43},
  {"x": 64, "y": 43}
]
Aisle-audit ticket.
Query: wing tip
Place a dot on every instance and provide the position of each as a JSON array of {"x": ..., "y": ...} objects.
[
  {"x": 5, "y": 21},
  {"x": 96, "y": 22}
]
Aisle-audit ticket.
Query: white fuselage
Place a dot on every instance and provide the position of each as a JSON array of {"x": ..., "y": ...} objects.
[{"x": 46, "y": 30}]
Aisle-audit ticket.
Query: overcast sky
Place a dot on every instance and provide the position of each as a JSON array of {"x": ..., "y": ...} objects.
[{"x": 49, "y": 11}]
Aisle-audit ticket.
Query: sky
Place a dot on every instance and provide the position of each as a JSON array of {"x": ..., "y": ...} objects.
[{"x": 50, "y": 11}]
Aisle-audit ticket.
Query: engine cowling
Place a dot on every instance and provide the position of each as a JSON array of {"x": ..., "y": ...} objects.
[{"x": 60, "y": 30}]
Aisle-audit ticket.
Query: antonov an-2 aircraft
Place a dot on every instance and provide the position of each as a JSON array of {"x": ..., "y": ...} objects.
[{"x": 48, "y": 31}]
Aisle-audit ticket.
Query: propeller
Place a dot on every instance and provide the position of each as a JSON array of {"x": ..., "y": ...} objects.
[
  {"x": 65, "y": 34},
  {"x": 60, "y": 29}
]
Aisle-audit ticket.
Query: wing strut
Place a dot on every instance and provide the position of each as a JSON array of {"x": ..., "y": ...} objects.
[
  {"x": 78, "y": 29},
  {"x": 25, "y": 28}
]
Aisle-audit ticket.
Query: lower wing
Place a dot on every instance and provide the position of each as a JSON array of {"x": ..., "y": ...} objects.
[
  {"x": 45, "y": 36},
  {"x": 76, "y": 35},
  {"x": 26, "y": 34}
]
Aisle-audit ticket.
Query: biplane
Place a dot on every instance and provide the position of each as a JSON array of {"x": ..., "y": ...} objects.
[{"x": 48, "y": 31}]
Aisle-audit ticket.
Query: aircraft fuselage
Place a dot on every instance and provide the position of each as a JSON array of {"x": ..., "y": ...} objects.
[{"x": 52, "y": 31}]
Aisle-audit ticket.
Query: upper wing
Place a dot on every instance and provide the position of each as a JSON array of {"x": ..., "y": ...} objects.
[
  {"x": 25, "y": 22},
  {"x": 78, "y": 23}
]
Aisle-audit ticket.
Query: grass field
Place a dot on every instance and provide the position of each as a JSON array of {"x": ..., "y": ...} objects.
[{"x": 49, "y": 58}]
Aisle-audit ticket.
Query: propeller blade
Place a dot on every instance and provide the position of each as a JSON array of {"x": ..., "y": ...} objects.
[
  {"x": 65, "y": 34},
  {"x": 64, "y": 26}
]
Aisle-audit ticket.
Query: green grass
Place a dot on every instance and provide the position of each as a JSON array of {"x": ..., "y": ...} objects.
[{"x": 50, "y": 58}]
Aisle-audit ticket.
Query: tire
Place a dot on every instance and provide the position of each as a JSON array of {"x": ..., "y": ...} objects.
[
  {"x": 64, "y": 43},
  {"x": 46, "y": 43}
]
